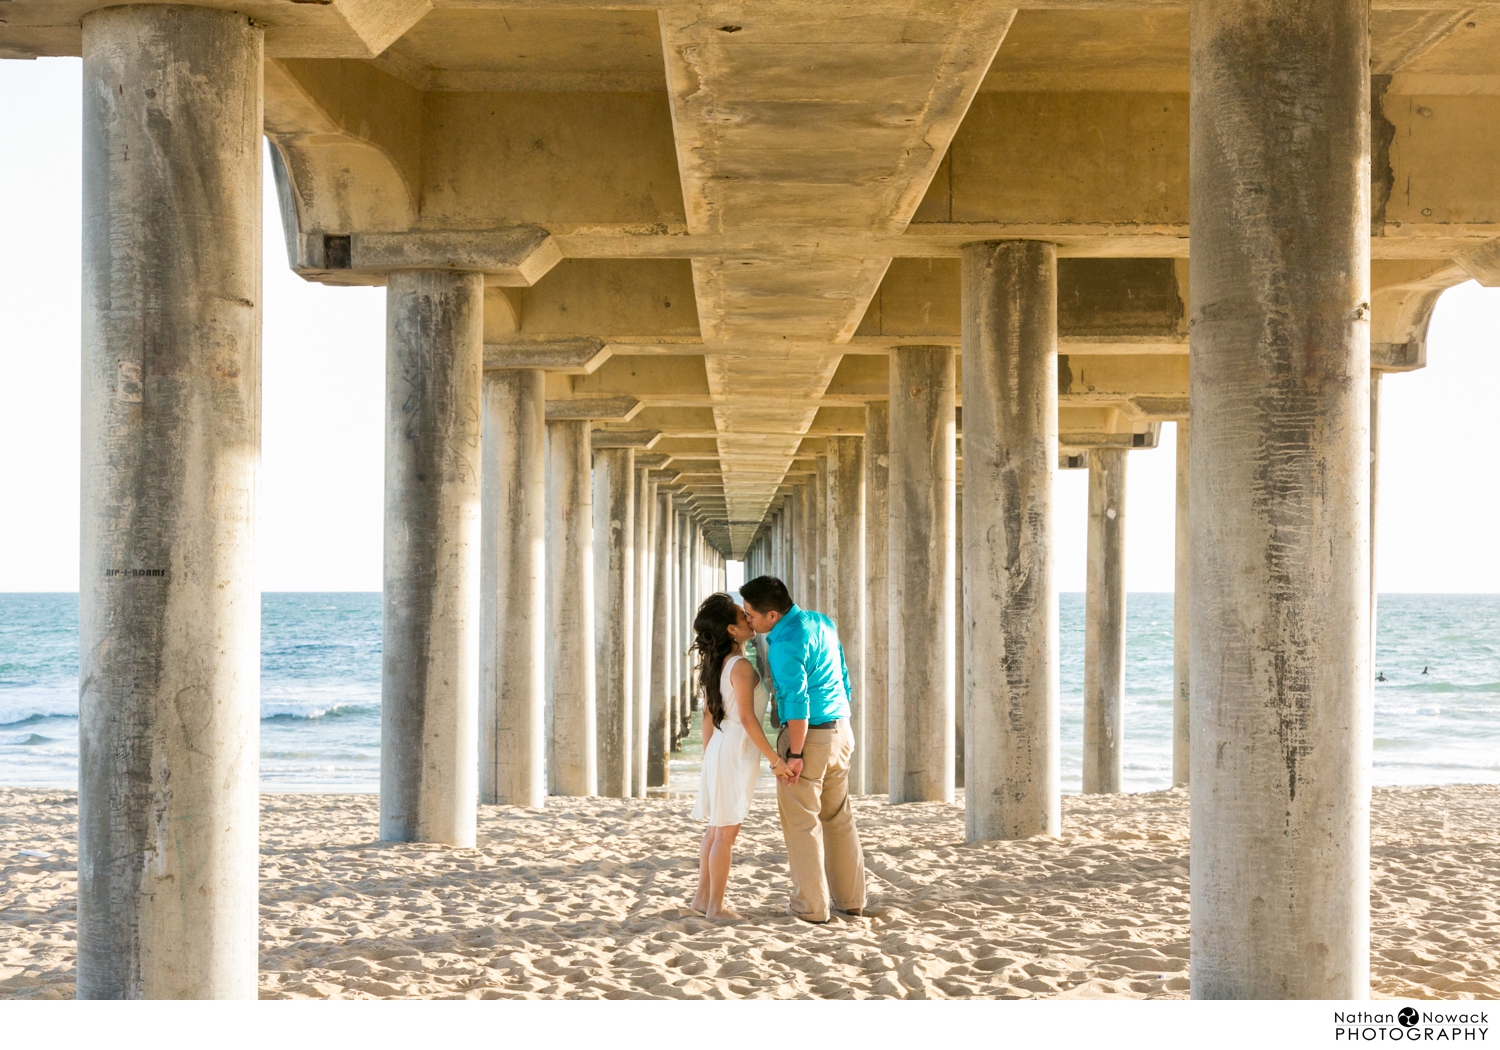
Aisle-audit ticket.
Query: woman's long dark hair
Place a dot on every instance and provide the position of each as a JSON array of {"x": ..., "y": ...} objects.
[{"x": 711, "y": 627}]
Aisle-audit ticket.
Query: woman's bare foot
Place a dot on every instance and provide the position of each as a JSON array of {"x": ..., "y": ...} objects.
[
  {"x": 698, "y": 905},
  {"x": 726, "y": 913}
]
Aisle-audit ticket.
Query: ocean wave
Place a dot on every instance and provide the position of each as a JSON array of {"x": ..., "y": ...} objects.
[
  {"x": 20, "y": 706},
  {"x": 33, "y": 740},
  {"x": 1486, "y": 767},
  {"x": 322, "y": 756},
  {"x": 1427, "y": 688},
  {"x": 291, "y": 711},
  {"x": 14, "y": 714}
]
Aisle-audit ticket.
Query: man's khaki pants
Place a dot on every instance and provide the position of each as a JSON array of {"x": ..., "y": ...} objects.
[{"x": 818, "y": 823}]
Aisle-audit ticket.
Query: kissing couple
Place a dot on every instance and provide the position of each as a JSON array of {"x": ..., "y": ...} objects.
[{"x": 810, "y": 682}]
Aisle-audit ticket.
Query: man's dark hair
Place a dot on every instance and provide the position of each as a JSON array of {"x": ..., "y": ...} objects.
[{"x": 767, "y": 594}]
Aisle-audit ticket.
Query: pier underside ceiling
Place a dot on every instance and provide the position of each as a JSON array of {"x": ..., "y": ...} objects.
[{"x": 731, "y": 212}]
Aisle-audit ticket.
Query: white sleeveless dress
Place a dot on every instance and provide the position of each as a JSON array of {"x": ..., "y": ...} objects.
[{"x": 731, "y": 762}]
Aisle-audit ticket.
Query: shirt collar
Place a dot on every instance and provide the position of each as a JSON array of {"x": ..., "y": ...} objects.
[{"x": 793, "y": 611}]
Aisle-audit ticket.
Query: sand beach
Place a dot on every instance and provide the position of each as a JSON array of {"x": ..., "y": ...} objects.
[{"x": 587, "y": 900}]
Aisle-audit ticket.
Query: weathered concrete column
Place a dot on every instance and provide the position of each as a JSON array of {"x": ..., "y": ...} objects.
[
  {"x": 572, "y": 750},
  {"x": 877, "y": 598},
  {"x": 614, "y": 616},
  {"x": 920, "y": 573},
  {"x": 690, "y": 609},
  {"x": 1182, "y": 743},
  {"x": 1104, "y": 625},
  {"x": 847, "y": 583},
  {"x": 960, "y": 679},
  {"x": 1010, "y": 595},
  {"x": 429, "y": 703},
  {"x": 773, "y": 544},
  {"x": 659, "y": 742},
  {"x": 681, "y": 624},
  {"x": 674, "y": 627},
  {"x": 1280, "y": 637},
  {"x": 788, "y": 538},
  {"x": 169, "y": 610},
  {"x": 807, "y": 548},
  {"x": 822, "y": 588},
  {"x": 513, "y": 561},
  {"x": 645, "y": 585}
]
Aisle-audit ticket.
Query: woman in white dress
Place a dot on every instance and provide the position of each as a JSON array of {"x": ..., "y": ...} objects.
[{"x": 733, "y": 743}]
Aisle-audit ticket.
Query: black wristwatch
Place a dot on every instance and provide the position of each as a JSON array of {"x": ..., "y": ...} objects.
[{"x": 790, "y": 756}]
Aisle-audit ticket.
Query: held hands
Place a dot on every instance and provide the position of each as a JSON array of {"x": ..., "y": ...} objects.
[{"x": 786, "y": 770}]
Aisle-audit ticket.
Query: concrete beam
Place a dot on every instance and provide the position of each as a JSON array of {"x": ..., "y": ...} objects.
[
  {"x": 695, "y": 447},
  {"x": 569, "y": 356},
  {"x": 1147, "y": 437},
  {"x": 507, "y": 254},
  {"x": 620, "y": 409},
  {"x": 662, "y": 380},
  {"x": 639, "y": 439}
]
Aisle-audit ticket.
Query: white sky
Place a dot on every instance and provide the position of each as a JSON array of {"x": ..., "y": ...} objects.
[{"x": 320, "y": 497}]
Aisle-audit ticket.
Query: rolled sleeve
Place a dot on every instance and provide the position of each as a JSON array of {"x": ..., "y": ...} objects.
[{"x": 790, "y": 674}]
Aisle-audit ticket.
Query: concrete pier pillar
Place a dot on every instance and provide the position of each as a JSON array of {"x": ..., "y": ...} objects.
[
  {"x": 682, "y": 579},
  {"x": 847, "y": 583},
  {"x": 690, "y": 608},
  {"x": 674, "y": 639},
  {"x": 1104, "y": 625},
  {"x": 614, "y": 616},
  {"x": 960, "y": 686},
  {"x": 513, "y": 570},
  {"x": 169, "y": 611},
  {"x": 1280, "y": 556},
  {"x": 807, "y": 547},
  {"x": 1182, "y": 743},
  {"x": 645, "y": 553},
  {"x": 822, "y": 591},
  {"x": 658, "y": 740},
  {"x": 572, "y": 749},
  {"x": 920, "y": 573},
  {"x": 1010, "y": 595},
  {"x": 788, "y": 537},
  {"x": 429, "y": 702},
  {"x": 877, "y": 598}
]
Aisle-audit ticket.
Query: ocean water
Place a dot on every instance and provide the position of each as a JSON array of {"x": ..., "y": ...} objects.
[{"x": 320, "y": 691}]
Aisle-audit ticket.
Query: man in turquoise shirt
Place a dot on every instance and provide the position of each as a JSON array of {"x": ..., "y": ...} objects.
[{"x": 811, "y": 683}]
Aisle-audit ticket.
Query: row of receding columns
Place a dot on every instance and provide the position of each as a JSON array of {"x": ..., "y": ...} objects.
[
  {"x": 586, "y": 650},
  {"x": 575, "y": 661},
  {"x": 1277, "y": 549},
  {"x": 861, "y": 605}
]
